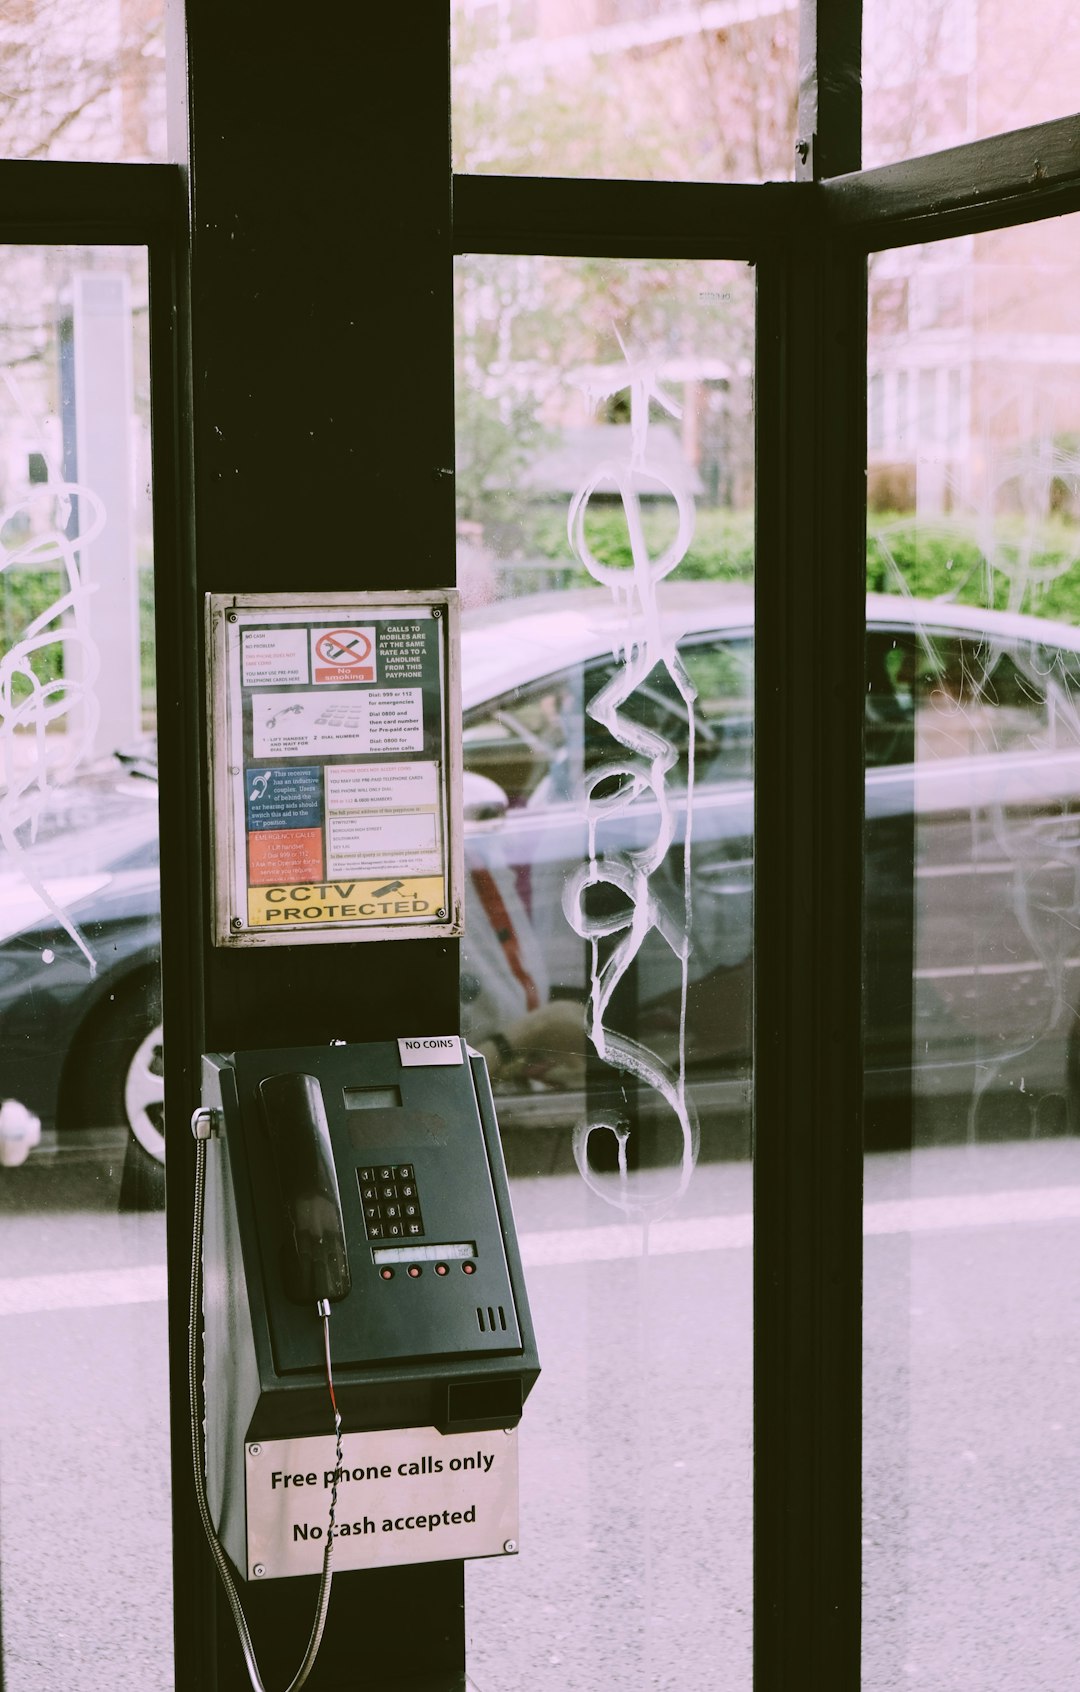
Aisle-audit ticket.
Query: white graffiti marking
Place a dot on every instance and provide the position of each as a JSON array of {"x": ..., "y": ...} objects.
[
  {"x": 32, "y": 705},
  {"x": 613, "y": 787},
  {"x": 1011, "y": 565}
]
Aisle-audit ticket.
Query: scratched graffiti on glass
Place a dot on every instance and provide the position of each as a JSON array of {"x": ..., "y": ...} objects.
[
  {"x": 641, "y": 763},
  {"x": 48, "y": 705},
  {"x": 997, "y": 772}
]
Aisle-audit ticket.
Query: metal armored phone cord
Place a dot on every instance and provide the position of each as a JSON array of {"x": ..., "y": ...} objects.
[{"x": 201, "y": 1127}]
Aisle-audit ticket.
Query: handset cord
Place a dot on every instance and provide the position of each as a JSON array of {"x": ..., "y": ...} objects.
[{"x": 198, "y": 1452}]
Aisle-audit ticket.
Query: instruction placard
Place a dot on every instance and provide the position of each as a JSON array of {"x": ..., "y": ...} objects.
[
  {"x": 334, "y": 746},
  {"x": 409, "y": 1495}
]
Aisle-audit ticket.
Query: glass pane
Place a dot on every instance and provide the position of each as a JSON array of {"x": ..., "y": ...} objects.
[
  {"x": 973, "y": 966},
  {"x": 605, "y": 476},
  {"x": 85, "y": 1527},
  {"x": 938, "y": 72},
  {"x": 648, "y": 89},
  {"x": 83, "y": 80}
]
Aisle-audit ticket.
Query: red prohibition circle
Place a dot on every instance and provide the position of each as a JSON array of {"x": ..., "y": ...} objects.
[{"x": 343, "y": 646}]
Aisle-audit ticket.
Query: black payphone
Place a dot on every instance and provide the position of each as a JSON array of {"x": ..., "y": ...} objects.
[{"x": 353, "y": 1201}]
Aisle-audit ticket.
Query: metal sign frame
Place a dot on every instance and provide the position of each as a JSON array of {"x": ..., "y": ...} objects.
[{"x": 273, "y": 657}]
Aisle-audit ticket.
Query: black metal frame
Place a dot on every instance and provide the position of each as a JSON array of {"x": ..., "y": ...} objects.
[{"x": 809, "y": 240}]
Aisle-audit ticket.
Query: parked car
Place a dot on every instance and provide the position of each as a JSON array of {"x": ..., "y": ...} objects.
[{"x": 972, "y": 875}]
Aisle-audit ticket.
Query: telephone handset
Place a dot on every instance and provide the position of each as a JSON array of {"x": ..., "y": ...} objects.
[{"x": 315, "y": 1259}]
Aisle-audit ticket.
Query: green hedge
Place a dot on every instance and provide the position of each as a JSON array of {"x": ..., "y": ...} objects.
[
  {"x": 1019, "y": 572},
  {"x": 902, "y": 556},
  {"x": 722, "y": 548},
  {"x": 26, "y": 594}
]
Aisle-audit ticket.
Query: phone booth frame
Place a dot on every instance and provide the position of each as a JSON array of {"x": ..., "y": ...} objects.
[{"x": 301, "y": 149}]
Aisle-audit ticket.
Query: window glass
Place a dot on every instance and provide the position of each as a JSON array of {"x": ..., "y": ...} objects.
[
  {"x": 605, "y": 481},
  {"x": 656, "y": 89},
  {"x": 83, "y": 1342},
  {"x": 939, "y": 72},
  {"x": 961, "y": 696},
  {"x": 83, "y": 79},
  {"x": 972, "y": 987},
  {"x": 721, "y": 719},
  {"x": 530, "y": 743}
]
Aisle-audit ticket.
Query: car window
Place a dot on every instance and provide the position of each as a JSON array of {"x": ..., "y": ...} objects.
[
  {"x": 932, "y": 695},
  {"x": 1060, "y": 669},
  {"x": 530, "y": 741},
  {"x": 721, "y": 671},
  {"x": 974, "y": 697}
]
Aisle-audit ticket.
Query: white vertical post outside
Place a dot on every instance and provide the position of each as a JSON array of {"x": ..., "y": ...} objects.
[{"x": 104, "y": 410}]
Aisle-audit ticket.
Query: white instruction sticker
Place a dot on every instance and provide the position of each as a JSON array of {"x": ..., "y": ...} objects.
[
  {"x": 430, "y": 1049},
  {"x": 273, "y": 657},
  {"x": 291, "y": 725},
  {"x": 409, "y": 1495}
]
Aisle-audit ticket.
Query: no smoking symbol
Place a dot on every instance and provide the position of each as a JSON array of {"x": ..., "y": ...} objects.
[{"x": 343, "y": 646}]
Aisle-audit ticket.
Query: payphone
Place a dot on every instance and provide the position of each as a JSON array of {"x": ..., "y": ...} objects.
[{"x": 367, "y": 1340}]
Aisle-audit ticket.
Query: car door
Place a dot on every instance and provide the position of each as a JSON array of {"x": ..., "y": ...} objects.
[
  {"x": 526, "y": 970},
  {"x": 977, "y": 781},
  {"x": 715, "y": 741},
  {"x": 523, "y": 969}
]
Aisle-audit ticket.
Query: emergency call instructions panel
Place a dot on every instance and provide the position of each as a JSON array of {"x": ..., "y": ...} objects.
[{"x": 422, "y": 1215}]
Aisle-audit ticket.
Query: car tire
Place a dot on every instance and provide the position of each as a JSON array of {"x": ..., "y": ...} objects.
[
  {"x": 144, "y": 1094},
  {"x": 115, "y": 1080}
]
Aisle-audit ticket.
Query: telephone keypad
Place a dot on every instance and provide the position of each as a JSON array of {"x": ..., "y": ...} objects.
[{"x": 391, "y": 1201}]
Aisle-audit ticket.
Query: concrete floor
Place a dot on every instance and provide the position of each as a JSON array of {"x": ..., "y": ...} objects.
[{"x": 634, "y": 1573}]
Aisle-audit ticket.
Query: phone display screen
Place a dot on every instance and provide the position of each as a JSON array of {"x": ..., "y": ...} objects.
[
  {"x": 372, "y": 1098},
  {"x": 425, "y": 1253}
]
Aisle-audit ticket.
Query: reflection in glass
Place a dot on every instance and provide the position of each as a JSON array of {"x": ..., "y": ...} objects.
[
  {"x": 605, "y": 554},
  {"x": 647, "y": 89},
  {"x": 82, "y": 1285},
  {"x": 972, "y": 966},
  {"x": 940, "y": 72},
  {"x": 83, "y": 79}
]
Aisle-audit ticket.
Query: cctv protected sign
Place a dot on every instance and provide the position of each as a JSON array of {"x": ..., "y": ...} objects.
[
  {"x": 344, "y": 901},
  {"x": 334, "y": 751}
]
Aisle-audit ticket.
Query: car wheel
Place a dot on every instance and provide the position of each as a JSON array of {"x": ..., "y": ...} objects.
[
  {"x": 144, "y": 1094},
  {"x": 115, "y": 1079}
]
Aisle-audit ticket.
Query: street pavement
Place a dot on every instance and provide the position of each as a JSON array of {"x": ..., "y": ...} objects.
[{"x": 634, "y": 1573}]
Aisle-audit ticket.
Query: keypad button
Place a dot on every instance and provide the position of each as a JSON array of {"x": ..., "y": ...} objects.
[
  {"x": 407, "y": 1189},
  {"x": 363, "y": 1175},
  {"x": 372, "y": 1212},
  {"x": 412, "y": 1228},
  {"x": 392, "y": 1210},
  {"x": 369, "y": 1193},
  {"x": 388, "y": 1190},
  {"x": 394, "y": 1230},
  {"x": 386, "y": 1173},
  {"x": 404, "y": 1171}
]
